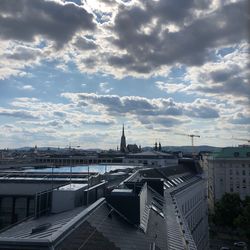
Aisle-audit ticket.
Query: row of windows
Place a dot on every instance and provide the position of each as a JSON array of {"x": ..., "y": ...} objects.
[
  {"x": 237, "y": 181},
  {"x": 234, "y": 165},
  {"x": 236, "y": 189},
  {"x": 237, "y": 154},
  {"x": 238, "y": 172}
]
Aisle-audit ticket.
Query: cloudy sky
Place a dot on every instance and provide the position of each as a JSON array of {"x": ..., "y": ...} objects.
[{"x": 74, "y": 72}]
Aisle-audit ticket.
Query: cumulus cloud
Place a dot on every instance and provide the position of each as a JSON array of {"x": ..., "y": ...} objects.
[
  {"x": 170, "y": 87},
  {"x": 202, "y": 108},
  {"x": 83, "y": 43},
  {"x": 21, "y": 114},
  {"x": 241, "y": 118},
  {"x": 23, "y": 53},
  {"x": 148, "y": 48},
  {"x": 228, "y": 78},
  {"x": 25, "y": 19},
  {"x": 115, "y": 104},
  {"x": 138, "y": 38},
  {"x": 161, "y": 111},
  {"x": 197, "y": 48}
]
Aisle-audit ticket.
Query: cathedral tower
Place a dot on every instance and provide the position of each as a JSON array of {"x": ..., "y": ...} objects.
[{"x": 123, "y": 141}]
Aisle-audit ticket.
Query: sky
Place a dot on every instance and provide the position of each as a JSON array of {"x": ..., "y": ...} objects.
[{"x": 72, "y": 72}]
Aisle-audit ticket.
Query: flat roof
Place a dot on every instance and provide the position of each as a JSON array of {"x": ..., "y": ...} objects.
[
  {"x": 59, "y": 224},
  {"x": 122, "y": 190},
  {"x": 72, "y": 186}
]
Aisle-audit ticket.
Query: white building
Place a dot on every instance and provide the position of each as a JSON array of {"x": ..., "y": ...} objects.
[{"x": 229, "y": 172}]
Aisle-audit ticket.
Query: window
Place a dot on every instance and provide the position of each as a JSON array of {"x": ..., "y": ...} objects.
[
  {"x": 243, "y": 172},
  {"x": 244, "y": 183},
  {"x": 236, "y": 154},
  {"x": 230, "y": 171}
]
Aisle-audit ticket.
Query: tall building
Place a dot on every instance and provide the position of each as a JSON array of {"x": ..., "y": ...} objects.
[
  {"x": 228, "y": 172},
  {"x": 123, "y": 147}
]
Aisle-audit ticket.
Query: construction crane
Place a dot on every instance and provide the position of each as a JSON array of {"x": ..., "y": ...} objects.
[
  {"x": 71, "y": 146},
  {"x": 241, "y": 139},
  {"x": 192, "y": 139}
]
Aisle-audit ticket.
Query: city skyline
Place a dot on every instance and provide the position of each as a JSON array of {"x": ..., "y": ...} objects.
[{"x": 74, "y": 72}]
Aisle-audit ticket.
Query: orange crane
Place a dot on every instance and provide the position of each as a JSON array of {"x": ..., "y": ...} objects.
[{"x": 192, "y": 139}]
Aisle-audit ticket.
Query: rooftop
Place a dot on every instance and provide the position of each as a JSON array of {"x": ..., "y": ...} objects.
[
  {"x": 103, "y": 224},
  {"x": 232, "y": 152},
  {"x": 151, "y": 154},
  {"x": 72, "y": 186},
  {"x": 82, "y": 228}
]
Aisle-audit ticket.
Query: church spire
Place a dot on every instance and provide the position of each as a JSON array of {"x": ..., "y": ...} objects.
[
  {"x": 123, "y": 147},
  {"x": 123, "y": 130}
]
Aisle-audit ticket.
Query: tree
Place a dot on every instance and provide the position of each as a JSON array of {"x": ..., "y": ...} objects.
[
  {"x": 243, "y": 220},
  {"x": 227, "y": 210}
]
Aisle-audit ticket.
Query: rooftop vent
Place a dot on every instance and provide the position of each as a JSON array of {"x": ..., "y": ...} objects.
[{"x": 40, "y": 228}]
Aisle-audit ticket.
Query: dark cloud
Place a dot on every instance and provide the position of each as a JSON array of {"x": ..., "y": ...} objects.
[
  {"x": 161, "y": 111},
  {"x": 23, "y": 54},
  {"x": 202, "y": 108},
  {"x": 85, "y": 44},
  {"x": 98, "y": 122},
  {"x": 166, "y": 121},
  {"x": 190, "y": 44},
  {"x": 131, "y": 104},
  {"x": 175, "y": 11},
  {"x": 235, "y": 86},
  {"x": 25, "y": 19},
  {"x": 203, "y": 112},
  {"x": 223, "y": 75}
]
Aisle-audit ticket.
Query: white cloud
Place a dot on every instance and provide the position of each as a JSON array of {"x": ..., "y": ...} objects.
[
  {"x": 27, "y": 87},
  {"x": 104, "y": 87},
  {"x": 171, "y": 87}
]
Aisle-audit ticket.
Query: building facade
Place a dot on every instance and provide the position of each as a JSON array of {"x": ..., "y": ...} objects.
[{"x": 228, "y": 172}]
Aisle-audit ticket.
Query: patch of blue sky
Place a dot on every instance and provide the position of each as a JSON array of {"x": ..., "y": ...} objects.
[
  {"x": 102, "y": 17},
  {"x": 225, "y": 51},
  {"x": 177, "y": 73}
]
